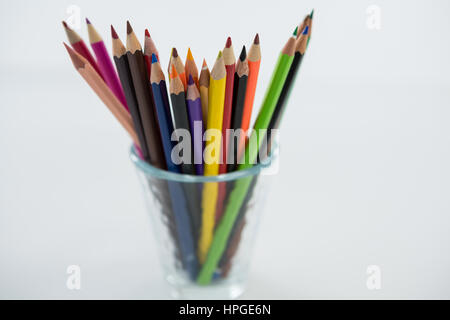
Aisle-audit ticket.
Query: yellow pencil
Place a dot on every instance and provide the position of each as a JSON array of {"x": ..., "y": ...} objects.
[{"x": 216, "y": 100}]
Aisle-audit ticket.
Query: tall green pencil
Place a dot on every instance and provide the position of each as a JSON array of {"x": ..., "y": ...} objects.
[{"x": 239, "y": 192}]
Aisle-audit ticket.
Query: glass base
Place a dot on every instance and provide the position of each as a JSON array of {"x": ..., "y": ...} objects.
[{"x": 223, "y": 290}]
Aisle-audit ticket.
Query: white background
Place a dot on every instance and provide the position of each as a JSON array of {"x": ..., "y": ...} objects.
[{"x": 364, "y": 176}]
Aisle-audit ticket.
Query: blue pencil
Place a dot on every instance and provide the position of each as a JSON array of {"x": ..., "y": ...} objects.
[{"x": 178, "y": 199}]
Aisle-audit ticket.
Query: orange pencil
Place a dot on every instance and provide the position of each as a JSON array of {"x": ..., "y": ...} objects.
[{"x": 254, "y": 61}]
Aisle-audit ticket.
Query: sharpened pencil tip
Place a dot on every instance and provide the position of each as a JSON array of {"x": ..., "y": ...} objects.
[
  {"x": 311, "y": 14},
  {"x": 295, "y": 31},
  {"x": 87, "y": 21},
  {"x": 65, "y": 25},
  {"x": 154, "y": 58},
  {"x": 114, "y": 33},
  {"x": 305, "y": 32},
  {"x": 147, "y": 34},
  {"x": 256, "y": 41},
  {"x": 129, "y": 28},
  {"x": 190, "y": 80},
  {"x": 243, "y": 54},
  {"x": 174, "y": 53},
  {"x": 228, "y": 44},
  {"x": 204, "y": 65},
  {"x": 219, "y": 55}
]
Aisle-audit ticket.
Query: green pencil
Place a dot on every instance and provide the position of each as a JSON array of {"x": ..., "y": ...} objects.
[{"x": 240, "y": 189}]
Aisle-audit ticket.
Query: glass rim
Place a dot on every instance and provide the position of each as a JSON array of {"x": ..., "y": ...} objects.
[{"x": 153, "y": 171}]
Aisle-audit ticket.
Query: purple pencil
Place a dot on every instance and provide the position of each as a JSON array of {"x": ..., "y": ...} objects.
[
  {"x": 194, "y": 106},
  {"x": 105, "y": 64}
]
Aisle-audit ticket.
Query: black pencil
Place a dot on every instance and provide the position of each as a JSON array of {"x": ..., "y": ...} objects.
[
  {"x": 239, "y": 91},
  {"x": 121, "y": 61},
  {"x": 144, "y": 98}
]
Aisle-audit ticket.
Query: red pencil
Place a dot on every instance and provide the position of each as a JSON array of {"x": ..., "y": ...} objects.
[
  {"x": 230, "y": 66},
  {"x": 149, "y": 49},
  {"x": 80, "y": 47}
]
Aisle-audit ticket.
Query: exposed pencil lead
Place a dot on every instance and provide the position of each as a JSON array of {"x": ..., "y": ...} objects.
[
  {"x": 65, "y": 25},
  {"x": 191, "y": 80},
  {"x": 174, "y": 53},
  {"x": 204, "y": 65},
  {"x": 228, "y": 44},
  {"x": 256, "y": 41},
  {"x": 311, "y": 14},
  {"x": 295, "y": 31},
  {"x": 154, "y": 58},
  {"x": 189, "y": 55},
  {"x": 129, "y": 28},
  {"x": 147, "y": 34},
  {"x": 173, "y": 73},
  {"x": 243, "y": 54},
  {"x": 87, "y": 21},
  {"x": 219, "y": 55},
  {"x": 114, "y": 33},
  {"x": 305, "y": 32}
]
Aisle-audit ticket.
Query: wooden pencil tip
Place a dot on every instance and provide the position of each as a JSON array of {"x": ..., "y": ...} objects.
[
  {"x": 256, "y": 41},
  {"x": 147, "y": 34},
  {"x": 190, "y": 80},
  {"x": 204, "y": 65},
  {"x": 129, "y": 28},
  {"x": 243, "y": 54},
  {"x": 87, "y": 21},
  {"x": 114, "y": 33},
  {"x": 77, "y": 62},
  {"x": 174, "y": 52},
  {"x": 189, "y": 55},
  {"x": 228, "y": 44},
  {"x": 65, "y": 25}
]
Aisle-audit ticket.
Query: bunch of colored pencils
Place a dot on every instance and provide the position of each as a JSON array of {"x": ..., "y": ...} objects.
[{"x": 208, "y": 221}]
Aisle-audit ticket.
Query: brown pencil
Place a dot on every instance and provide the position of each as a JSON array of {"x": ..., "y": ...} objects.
[
  {"x": 104, "y": 93},
  {"x": 204, "y": 91},
  {"x": 145, "y": 99}
]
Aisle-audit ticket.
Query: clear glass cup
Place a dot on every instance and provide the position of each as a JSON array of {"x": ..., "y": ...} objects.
[{"x": 175, "y": 203}]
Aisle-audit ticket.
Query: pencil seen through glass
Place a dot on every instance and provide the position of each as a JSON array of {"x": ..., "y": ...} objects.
[{"x": 201, "y": 164}]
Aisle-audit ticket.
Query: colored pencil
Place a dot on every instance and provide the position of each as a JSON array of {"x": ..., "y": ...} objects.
[
  {"x": 162, "y": 108},
  {"x": 97, "y": 84},
  {"x": 204, "y": 91},
  {"x": 105, "y": 63},
  {"x": 213, "y": 139},
  {"x": 181, "y": 120},
  {"x": 254, "y": 62},
  {"x": 144, "y": 98},
  {"x": 194, "y": 107},
  {"x": 183, "y": 220},
  {"x": 179, "y": 67},
  {"x": 180, "y": 113},
  {"x": 191, "y": 68},
  {"x": 80, "y": 47},
  {"x": 241, "y": 187},
  {"x": 240, "y": 88},
  {"x": 121, "y": 61},
  {"x": 230, "y": 67},
  {"x": 149, "y": 49}
]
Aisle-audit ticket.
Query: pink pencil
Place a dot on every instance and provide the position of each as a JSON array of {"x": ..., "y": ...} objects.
[{"x": 105, "y": 64}]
